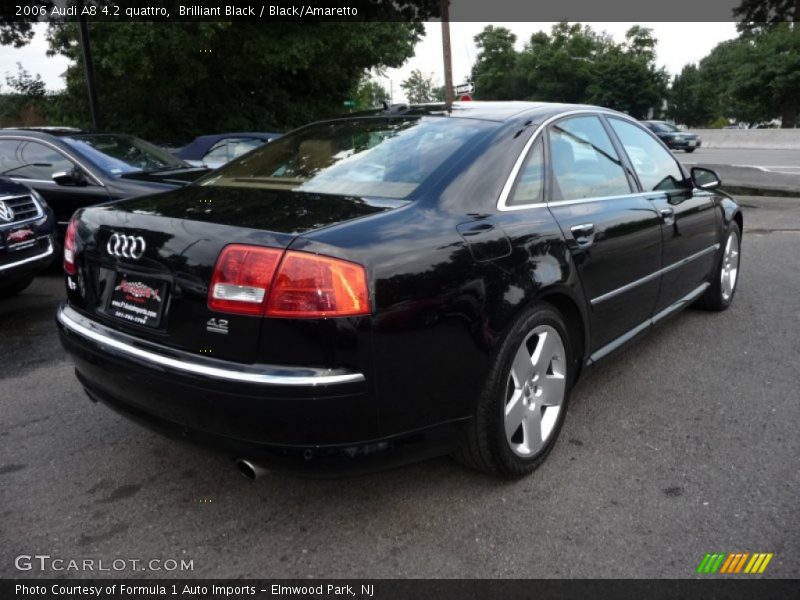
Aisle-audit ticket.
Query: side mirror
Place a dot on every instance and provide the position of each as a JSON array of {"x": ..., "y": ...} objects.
[
  {"x": 72, "y": 177},
  {"x": 705, "y": 179}
]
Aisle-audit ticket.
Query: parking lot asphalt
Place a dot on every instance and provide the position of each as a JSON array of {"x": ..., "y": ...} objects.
[{"x": 684, "y": 444}]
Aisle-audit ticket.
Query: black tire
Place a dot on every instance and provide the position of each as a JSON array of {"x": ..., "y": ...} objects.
[
  {"x": 15, "y": 288},
  {"x": 485, "y": 445},
  {"x": 689, "y": 150},
  {"x": 715, "y": 297}
]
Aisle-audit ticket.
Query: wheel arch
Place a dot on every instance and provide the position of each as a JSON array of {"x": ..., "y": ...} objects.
[{"x": 574, "y": 317}]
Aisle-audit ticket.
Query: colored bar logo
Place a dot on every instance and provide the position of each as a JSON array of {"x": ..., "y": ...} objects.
[{"x": 735, "y": 562}]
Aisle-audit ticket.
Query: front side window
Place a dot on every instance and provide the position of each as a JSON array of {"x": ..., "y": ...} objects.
[
  {"x": 656, "y": 167},
  {"x": 380, "y": 157},
  {"x": 9, "y": 157},
  {"x": 584, "y": 162},
  {"x": 31, "y": 160}
]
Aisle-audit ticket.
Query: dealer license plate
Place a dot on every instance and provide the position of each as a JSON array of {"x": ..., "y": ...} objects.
[{"x": 138, "y": 300}]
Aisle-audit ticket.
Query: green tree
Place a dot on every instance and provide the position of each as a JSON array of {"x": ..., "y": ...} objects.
[
  {"x": 558, "y": 67},
  {"x": 756, "y": 77},
  {"x": 25, "y": 84},
  {"x": 625, "y": 76},
  {"x": 370, "y": 93},
  {"x": 756, "y": 15},
  {"x": 176, "y": 80},
  {"x": 419, "y": 88},
  {"x": 494, "y": 72},
  {"x": 689, "y": 102},
  {"x": 18, "y": 30},
  {"x": 27, "y": 99}
]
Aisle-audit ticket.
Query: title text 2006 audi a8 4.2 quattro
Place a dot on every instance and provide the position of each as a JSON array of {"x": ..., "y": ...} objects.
[{"x": 394, "y": 284}]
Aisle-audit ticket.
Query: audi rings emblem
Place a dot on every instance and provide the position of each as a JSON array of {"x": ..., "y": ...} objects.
[{"x": 126, "y": 246}]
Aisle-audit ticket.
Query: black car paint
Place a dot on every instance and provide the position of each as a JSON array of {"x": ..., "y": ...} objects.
[
  {"x": 98, "y": 186},
  {"x": 449, "y": 274}
]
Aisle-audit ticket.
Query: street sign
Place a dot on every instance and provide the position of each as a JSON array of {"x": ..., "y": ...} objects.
[
  {"x": 465, "y": 98},
  {"x": 465, "y": 88},
  {"x": 349, "y": 103}
]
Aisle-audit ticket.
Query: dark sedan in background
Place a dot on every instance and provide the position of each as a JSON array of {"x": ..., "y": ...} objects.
[
  {"x": 673, "y": 137},
  {"x": 399, "y": 284},
  {"x": 215, "y": 150},
  {"x": 27, "y": 243},
  {"x": 71, "y": 168}
]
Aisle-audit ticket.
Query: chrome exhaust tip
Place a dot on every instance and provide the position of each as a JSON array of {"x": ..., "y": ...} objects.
[{"x": 250, "y": 470}]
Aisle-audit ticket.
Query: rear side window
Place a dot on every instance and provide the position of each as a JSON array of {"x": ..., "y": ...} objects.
[
  {"x": 656, "y": 167},
  {"x": 530, "y": 185},
  {"x": 379, "y": 157},
  {"x": 584, "y": 162}
]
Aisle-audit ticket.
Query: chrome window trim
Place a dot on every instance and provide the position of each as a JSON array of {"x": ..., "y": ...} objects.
[
  {"x": 512, "y": 176},
  {"x": 30, "y": 259},
  {"x": 197, "y": 368},
  {"x": 57, "y": 149},
  {"x": 653, "y": 275},
  {"x": 39, "y": 210}
]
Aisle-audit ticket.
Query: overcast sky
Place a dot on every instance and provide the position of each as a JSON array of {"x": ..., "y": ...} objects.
[{"x": 678, "y": 44}]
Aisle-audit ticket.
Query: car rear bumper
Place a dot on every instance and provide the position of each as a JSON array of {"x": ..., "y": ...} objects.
[{"x": 321, "y": 420}]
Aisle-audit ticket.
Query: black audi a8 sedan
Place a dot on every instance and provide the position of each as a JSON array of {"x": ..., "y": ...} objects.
[{"x": 394, "y": 285}]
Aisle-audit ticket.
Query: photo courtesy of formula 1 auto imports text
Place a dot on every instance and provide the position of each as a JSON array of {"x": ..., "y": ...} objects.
[{"x": 393, "y": 299}]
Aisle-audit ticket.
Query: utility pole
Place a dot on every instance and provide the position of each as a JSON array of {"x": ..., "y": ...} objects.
[
  {"x": 448, "y": 62},
  {"x": 88, "y": 65}
]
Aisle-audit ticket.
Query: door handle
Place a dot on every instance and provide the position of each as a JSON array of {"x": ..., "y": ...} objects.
[
  {"x": 583, "y": 234},
  {"x": 668, "y": 215}
]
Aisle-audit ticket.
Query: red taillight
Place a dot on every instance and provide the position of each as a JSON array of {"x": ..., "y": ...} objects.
[
  {"x": 70, "y": 247},
  {"x": 307, "y": 286},
  {"x": 242, "y": 278},
  {"x": 311, "y": 286}
]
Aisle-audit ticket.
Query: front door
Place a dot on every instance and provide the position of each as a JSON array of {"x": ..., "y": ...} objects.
[
  {"x": 614, "y": 233},
  {"x": 690, "y": 221}
]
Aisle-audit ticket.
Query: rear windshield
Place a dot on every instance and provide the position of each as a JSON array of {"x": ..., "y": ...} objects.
[{"x": 380, "y": 157}]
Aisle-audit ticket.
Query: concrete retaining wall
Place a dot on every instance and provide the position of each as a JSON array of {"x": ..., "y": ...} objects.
[{"x": 774, "y": 139}]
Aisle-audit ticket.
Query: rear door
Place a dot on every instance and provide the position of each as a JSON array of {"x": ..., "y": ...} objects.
[
  {"x": 689, "y": 222},
  {"x": 612, "y": 230}
]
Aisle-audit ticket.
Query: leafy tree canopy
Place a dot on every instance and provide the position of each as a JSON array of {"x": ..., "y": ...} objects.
[
  {"x": 421, "y": 88},
  {"x": 169, "y": 81},
  {"x": 755, "y": 77},
  {"x": 757, "y": 15},
  {"x": 572, "y": 64}
]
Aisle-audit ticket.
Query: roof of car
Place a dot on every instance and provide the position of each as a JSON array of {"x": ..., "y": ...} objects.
[
  {"x": 485, "y": 110},
  {"x": 50, "y": 130},
  {"x": 202, "y": 143}
]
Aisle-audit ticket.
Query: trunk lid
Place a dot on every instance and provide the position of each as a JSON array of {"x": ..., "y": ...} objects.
[{"x": 146, "y": 263}]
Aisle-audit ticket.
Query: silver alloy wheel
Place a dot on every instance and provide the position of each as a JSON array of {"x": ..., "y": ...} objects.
[
  {"x": 730, "y": 266},
  {"x": 535, "y": 391}
]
